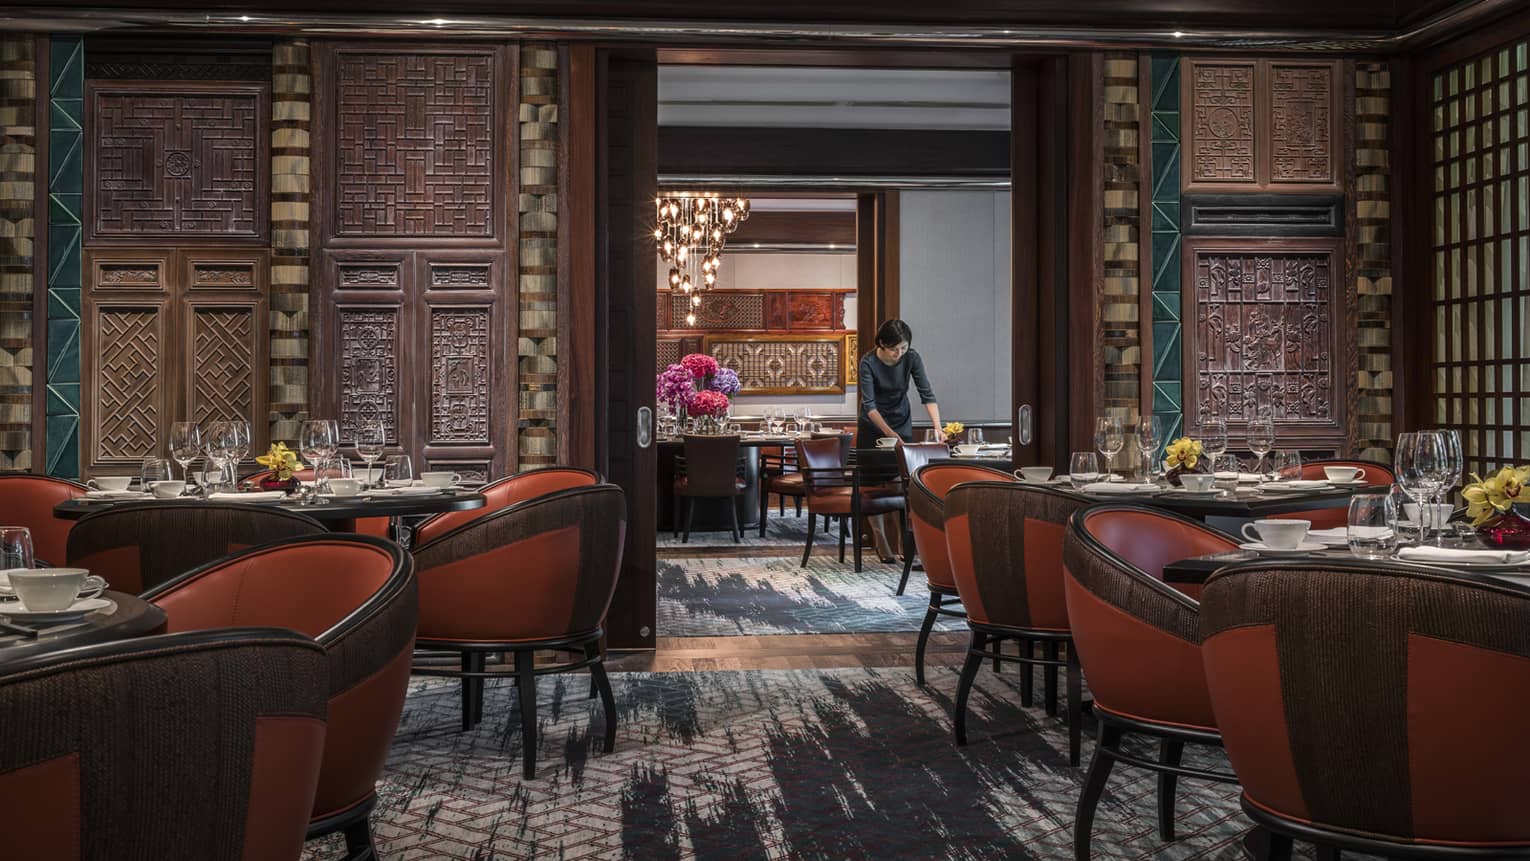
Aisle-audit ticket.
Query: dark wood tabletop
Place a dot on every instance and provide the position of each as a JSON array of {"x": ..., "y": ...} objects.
[
  {"x": 1197, "y": 569},
  {"x": 128, "y": 617},
  {"x": 323, "y": 511}
]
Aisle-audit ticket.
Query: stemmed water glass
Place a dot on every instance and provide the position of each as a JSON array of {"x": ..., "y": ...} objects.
[
  {"x": 1261, "y": 438},
  {"x": 1108, "y": 439},
  {"x": 318, "y": 440},
  {"x": 1149, "y": 438},
  {"x": 1448, "y": 470},
  {"x": 1416, "y": 462},
  {"x": 215, "y": 444},
  {"x": 239, "y": 446},
  {"x": 371, "y": 437},
  {"x": 185, "y": 446},
  {"x": 1214, "y": 437}
]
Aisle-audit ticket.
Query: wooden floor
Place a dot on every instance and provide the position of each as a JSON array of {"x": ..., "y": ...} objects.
[{"x": 790, "y": 652}]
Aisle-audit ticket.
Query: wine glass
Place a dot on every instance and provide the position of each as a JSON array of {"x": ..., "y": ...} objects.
[
  {"x": 1261, "y": 438},
  {"x": 1452, "y": 464},
  {"x": 371, "y": 437},
  {"x": 1149, "y": 438},
  {"x": 239, "y": 444},
  {"x": 215, "y": 445},
  {"x": 1083, "y": 468},
  {"x": 1214, "y": 437},
  {"x": 16, "y": 547},
  {"x": 1416, "y": 462},
  {"x": 1108, "y": 438},
  {"x": 328, "y": 468},
  {"x": 317, "y": 440},
  {"x": 185, "y": 445}
]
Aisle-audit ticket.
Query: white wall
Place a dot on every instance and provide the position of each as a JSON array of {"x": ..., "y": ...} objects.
[{"x": 954, "y": 292}]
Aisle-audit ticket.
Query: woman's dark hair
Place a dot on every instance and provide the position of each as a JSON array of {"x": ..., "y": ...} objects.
[{"x": 894, "y": 332}]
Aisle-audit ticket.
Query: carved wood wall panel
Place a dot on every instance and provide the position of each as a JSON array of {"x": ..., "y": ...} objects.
[
  {"x": 756, "y": 311},
  {"x": 221, "y": 359},
  {"x": 129, "y": 381},
  {"x": 369, "y": 379},
  {"x": 1262, "y": 124},
  {"x": 176, "y": 160},
  {"x": 782, "y": 364},
  {"x": 462, "y": 370},
  {"x": 1265, "y": 329}
]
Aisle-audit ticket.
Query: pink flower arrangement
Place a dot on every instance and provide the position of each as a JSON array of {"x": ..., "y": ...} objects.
[
  {"x": 675, "y": 386},
  {"x": 700, "y": 365},
  {"x": 709, "y": 403}
]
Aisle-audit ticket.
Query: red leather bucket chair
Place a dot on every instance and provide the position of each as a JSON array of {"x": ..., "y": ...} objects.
[
  {"x": 835, "y": 490},
  {"x": 357, "y": 596},
  {"x": 29, "y": 500},
  {"x": 535, "y": 576},
  {"x": 505, "y": 492},
  {"x": 204, "y": 745},
  {"x": 1331, "y": 518},
  {"x": 1005, "y": 541},
  {"x": 1139, "y": 644},
  {"x": 1352, "y": 697},
  {"x": 911, "y": 456}
]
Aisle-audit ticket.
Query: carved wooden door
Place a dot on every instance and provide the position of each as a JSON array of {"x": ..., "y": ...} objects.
[{"x": 169, "y": 335}]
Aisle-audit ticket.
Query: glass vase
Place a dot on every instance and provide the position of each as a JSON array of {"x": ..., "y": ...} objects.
[{"x": 1507, "y": 531}]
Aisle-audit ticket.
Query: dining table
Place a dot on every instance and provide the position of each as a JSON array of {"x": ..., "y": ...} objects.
[
  {"x": 714, "y": 517},
  {"x": 126, "y": 617},
  {"x": 1196, "y": 570}
]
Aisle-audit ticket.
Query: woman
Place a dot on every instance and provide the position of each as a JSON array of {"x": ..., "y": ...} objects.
[{"x": 885, "y": 373}]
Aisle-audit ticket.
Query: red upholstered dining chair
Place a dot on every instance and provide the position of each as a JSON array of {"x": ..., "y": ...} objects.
[
  {"x": 535, "y": 576},
  {"x": 1335, "y": 517},
  {"x": 1351, "y": 698},
  {"x": 911, "y": 456},
  {"x": 357, "y": 596},
  {"x": 505, "y": 492},
  {"x": 138, "y": 546},
  {"x": 204, "y": 745},
  {"x": 711, "y": 467},
  {"x": 1150, "y": 539},
  {"x": 1139, "y": 644},
  {"x": 835, "y": 490},
  {"x": 29, "y": 500},
  {"x": 1005, "y": 541},
  {"x": 927, "y": 521}
]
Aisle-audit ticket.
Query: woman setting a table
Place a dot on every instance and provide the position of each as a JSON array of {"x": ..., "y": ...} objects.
[{"x": 885, "y": 375}]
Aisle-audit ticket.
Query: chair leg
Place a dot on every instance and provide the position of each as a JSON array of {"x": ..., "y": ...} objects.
[
  {"x": 526, "y": 679},
  {"x": 738, "y": 534},
  {"x": 856, "y": 537},
  {"x": 674, "y": 512},
  {"x": 764, "y": 505},
  {"x": 908, "y": 565},
  {"x": 690, "y": 517},
  {"x": 1094, "y": 786},
  {"x": 1270, "y": 846},
  {"x": 924, "y": 637},
  {"x": 808, "y": 550},
  {"x": 1027, "y": 673},
  {"x": 998, "y": 665},
  {"x": 358, "y": 841},
  {"x": 970, "y": 668},
  {"x": 1049, "y": 677},
  {"x": 1075, "y": 705},
  {"x": 1169, "y": 752},
  {"x": 1328, "y": 853},
  {"x": 841, "y": 539},
  {"x": 472, "y": 689},
  {"x": 607, "y": 700}
]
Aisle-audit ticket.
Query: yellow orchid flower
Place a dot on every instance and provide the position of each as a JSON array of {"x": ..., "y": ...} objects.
[
  {"x": 1487, "y": 497},
  {"x": 953, "y": 428},
  {"x": 1183, "y": 453},
  {"x": 282, "y": 461}
]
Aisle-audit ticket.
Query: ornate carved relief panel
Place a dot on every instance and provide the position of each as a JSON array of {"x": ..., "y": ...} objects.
[
  {"x": 756, "y": 310},
  {"x": 1261, "y": 125},
  {"x": 1264, "y": 329},
  {"x": 782, "y": 364},
  {"x": 171, "y": 160}
]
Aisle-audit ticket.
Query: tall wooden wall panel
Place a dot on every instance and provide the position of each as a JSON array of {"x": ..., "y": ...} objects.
[
  {"x": 414, "y": 308},
  {"x": 20, "y": 359}
]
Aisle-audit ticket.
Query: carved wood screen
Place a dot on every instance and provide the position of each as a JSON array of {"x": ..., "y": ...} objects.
[
  {"x": 170, "y": 335},
  {"x": 1264, "y": 329},
  {"x": 414, "y": 311}
]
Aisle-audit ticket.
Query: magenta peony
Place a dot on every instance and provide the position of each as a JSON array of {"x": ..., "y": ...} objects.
[
  {"x": 675, "y": 386},
  {"x": 725, "y": 381},
  {"x": 700, "y": 365},
  {"x": 709, "y": 403}
]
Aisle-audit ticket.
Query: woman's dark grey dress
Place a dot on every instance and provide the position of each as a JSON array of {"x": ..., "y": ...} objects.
[{"x": 884, "y": 388}]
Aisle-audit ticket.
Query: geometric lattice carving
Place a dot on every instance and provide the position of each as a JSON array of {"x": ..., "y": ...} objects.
[
  {"x": 459, "y": 275},
  {"x": 1264, "y": 336},
  {"x": 720, "y": 309},
  {"x": 1223, "y": 115},
  {"x": 368, "y": 370},
  {"x": 415, "y": 150},
  {"x": 782, "y": 365},
  {"x": 1301, "y": 99},
  {"x": 222, "y": 363},
  {"x": 460, "y": 362},
  {"x": 369, "y": 275},
  {"x": 128, "y": 382},
  {"x": 668, "y": 352},
  {"x": 215, "y": 275},
  {"x": 169, "y": 162}
]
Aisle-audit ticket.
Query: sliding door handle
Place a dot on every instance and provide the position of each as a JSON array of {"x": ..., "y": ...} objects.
[
  {"x": 644, "y": 427},
  {"x": 1023, "y": 425}
]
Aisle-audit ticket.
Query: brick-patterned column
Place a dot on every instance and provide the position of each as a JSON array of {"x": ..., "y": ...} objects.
[
  {"x": 1373, "y": 261},
  {"x": 1120, "y": 293},
  {"x": 291, "y": 196},
  {"x": 537, "y": 257},
  {"x": 18, "y": 231}
]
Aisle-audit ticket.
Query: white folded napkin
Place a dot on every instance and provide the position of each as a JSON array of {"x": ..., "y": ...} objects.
[
  {"x": 1119, "y": 487},
  {"x": 115, "y": 494},
  {"x": 1240, "y": 476},
  {"x": 1456, "y": 554},
  {"x": 1339, "y": 535},
  {"x": 411, "y": 490},
  {"x": 1299, "y": 484},
  {"x": 252, "y": 496}
]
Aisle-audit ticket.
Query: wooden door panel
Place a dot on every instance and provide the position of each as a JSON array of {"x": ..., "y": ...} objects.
[{"x": 130, "y": 400}]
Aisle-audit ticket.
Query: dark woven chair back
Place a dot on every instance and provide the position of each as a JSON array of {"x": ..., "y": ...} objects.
[
  {"x": 1137, "y": 638},
  {"x": 1352, "y": 695},
  {"x": 711, "y": 466},
  {"x": 913, "y": 455},
  {"x": 202, "y": 745},
  {"x": 140, "y": 546},
  {"x": 542, "y": 569},
  {"x": 29, "y": 500},
  {"x": 358, "y": 597},
  {"x": 926, "y": 509},
  {"x": 1005, "y": 542},
  {"x": 506, "y": 492}
]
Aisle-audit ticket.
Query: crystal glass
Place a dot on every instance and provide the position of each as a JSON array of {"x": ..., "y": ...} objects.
[
  {"x": 1286, "y": 465},
  {"x": 185, "y": 445},
  {"x": 1214, "y": 437},
  {"x": 217, "y": 443},
  {"x": 1083, "y": 468},
  {"x": 333, "y": 467},
  {"x": 931, "y": 435},
  {"x": 1149, "y": 441},
  {"x": 207, "y": 479},
  {"x": 153, "y": 469},
  {"x": 1372, "y": 528},
  {"x": 1419, "y": 466},
  {"x": 240, "y": 449},
  {"x": 16, "y": 548},
  {"x": 371, "y": 437},
  {"x": 318, "y": 439},
  {"x": 975, "y": 436},
  {"x": 1109, "y": 438},
  {"x": 1261, "y": 438},
  {"x": 398, "y": 470},
  {"x": 1407, "y": 530},
  {"x": 1226, "y": 467},
  {"x": 1448, "y": 472}
]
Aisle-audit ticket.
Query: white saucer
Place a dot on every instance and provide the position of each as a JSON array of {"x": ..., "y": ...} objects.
[
  {"x": 1359, "y": 482},
  {"x": 16, "y": 612},
  {"x": 1198, "y": 494},
  {"x": 1300, "y": 550}
]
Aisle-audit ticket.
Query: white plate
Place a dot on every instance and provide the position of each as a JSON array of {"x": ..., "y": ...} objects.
[
  {"x": 14, "y": 611},
  {"x": 116, "y": 494},
  {"x": 1198, "y": 494},
  {"x": 1355, "y": 483},
  {"x": 1300, "y": 550},
  {"x": 1287, "y": 487}
]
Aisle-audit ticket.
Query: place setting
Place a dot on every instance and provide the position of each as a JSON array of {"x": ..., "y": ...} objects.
[{"x": 29, "y": 594}]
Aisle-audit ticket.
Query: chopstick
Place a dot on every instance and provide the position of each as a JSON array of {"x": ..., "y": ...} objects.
[{"x": 29, "y": 633}]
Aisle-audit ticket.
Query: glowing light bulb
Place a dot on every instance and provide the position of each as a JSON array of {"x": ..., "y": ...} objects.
[{"x": 690, "y": 319}]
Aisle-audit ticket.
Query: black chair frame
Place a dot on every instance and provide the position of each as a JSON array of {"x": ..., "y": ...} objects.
[
  {"x": 1273, "y": 836},
  {"x": 1052, "y": 643},
  {"x": 690, "y": 502}
]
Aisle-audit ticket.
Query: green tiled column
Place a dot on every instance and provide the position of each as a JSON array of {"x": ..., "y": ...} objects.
[
  {"x": 1168, "y": 383},
  {"x": 66, "y": 90}
]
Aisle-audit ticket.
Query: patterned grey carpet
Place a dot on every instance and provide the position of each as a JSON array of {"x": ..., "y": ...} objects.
[
  {"x": 787, "y": 531},
  {"x": 737, "y": 766}
]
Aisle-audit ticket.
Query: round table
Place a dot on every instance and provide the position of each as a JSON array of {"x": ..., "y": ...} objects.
[{"x": 129, "y": 617}]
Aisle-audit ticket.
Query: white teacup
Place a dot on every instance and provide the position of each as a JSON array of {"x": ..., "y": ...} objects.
[
  {"x": 1341, "y": 474},
  {"x": 1035, "y": 473},
  {"x": 1437, "y": 512},
  {"x": 968, "y": 448},
  {"x": 1276, "y": 534},
  {"x": 887, "y": 442},
  {"x": 54, "y": 588},
  {"x": 440, "y": 479},
  {"x": 344, "y": 486},
  {"x": 1198, "y": 482},
  {"x": 114, "y": 483},
  {"x": 168, "y": 489}
]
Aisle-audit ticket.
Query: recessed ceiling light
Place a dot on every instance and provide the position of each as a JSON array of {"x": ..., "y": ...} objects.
[
  {"x": 244, "y": 17},
  {"x": 438, "y": 22},
  {"x": 1179, "y": 34}
]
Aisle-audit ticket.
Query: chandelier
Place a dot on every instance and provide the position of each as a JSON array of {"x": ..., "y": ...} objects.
[{"x": 690, "y": 232}]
